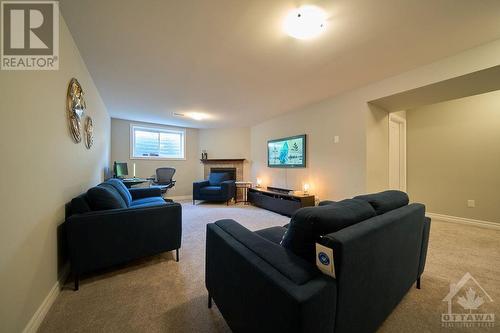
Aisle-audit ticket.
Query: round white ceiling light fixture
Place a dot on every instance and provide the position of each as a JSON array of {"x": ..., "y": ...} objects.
[{"x": 305, "y": 22}]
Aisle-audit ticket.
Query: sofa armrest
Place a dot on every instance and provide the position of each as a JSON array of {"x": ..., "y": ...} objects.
[
  {"x": 197, "y": 186},
  {"x": 228, "y": 183},
  {"x": 260, "y": 286},
  {"x": 145, "y": 192},
  {"x": 326, "y": 202},
  {"x": 376, "y": 262},
  {"x": 200, "y": 184},
  {"x": 287, "y": 263},
  {"x": 104, "y": 238},
  {"x": 229, "y": 187}
]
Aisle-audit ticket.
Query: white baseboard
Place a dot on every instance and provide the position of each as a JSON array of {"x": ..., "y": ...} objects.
[
  {"x": 463, "y": 220},
  {"x": 44, "y": 308},
  {"x": 181, "y": 197}
]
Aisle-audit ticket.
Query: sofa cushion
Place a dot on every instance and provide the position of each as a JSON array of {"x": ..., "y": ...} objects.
[
  {"x": 150, "y": 200},
  {"x": 210, "y": 190},
  {"x": 80, "y": 205},
  {"x": 309, "y": 224},
  {"x": 122, "y": 190},
  {"x": 105, "y": 196},
  {"x": 274, "y": 234},
  {"x": 385, "y": 201},
  {"x": 150, "y": 204},
  {"x": 216, "y": 178}
]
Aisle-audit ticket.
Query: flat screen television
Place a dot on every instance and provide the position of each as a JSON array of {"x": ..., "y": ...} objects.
[{"x": 287, "y": 152}]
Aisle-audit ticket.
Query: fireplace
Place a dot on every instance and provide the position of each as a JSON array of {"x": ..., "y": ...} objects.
[
  {"x": 230, "y": 171},
  {"x": 234, "y": 166}
]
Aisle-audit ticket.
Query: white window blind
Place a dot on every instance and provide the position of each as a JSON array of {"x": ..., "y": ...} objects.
[{"x": 157, "y": 143}]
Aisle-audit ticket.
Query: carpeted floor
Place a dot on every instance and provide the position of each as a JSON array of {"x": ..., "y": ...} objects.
[{"x": 160, "y": 295}]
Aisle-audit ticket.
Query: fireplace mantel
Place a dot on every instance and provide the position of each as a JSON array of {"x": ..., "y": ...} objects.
[{"x": 222, "y": 160}]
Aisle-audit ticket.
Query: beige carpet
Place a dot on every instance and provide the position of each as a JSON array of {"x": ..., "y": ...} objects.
[{"x": 160, "y": 295}]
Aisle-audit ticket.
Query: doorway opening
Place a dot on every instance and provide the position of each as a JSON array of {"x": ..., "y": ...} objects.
[{"x": 397, "y": 153}]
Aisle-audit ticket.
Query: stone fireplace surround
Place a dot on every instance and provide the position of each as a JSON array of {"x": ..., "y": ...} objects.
[{"x": 237, "y": 164}]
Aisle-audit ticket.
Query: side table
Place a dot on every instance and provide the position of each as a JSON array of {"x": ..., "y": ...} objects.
[{"x": 244, "y": 186}]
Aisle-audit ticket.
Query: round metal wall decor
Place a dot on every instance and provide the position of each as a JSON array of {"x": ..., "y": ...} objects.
[
  {"x": 89, "y": 132},
  {"x": 76, "y": 108}
]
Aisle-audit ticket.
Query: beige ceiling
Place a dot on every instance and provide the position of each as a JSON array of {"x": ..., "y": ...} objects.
[{"x": 230, "y": 58}]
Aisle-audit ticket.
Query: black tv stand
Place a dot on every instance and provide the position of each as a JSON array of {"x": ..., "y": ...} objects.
[
  {"x": 279, "y": 190},
  {"x": 281, "y": 202}
]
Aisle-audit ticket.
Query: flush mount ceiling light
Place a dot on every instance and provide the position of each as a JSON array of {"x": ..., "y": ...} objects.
[
  {"x": 192, "y": 115},
  {"x": 305, "y": 22},
  {"x": 197, "y": 115}
]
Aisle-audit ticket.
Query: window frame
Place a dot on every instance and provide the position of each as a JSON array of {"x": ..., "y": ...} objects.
[{"x": 160, "y": 129}]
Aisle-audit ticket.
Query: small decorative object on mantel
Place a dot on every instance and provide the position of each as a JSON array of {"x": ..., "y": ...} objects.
[
  {"x": 89, "y": 133},
  {"x": 204, "y": 155},
  {"x": 76, "y": 108}
]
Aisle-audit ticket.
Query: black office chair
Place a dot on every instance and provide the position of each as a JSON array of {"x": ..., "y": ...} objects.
[{"x": 164, "y": 179}]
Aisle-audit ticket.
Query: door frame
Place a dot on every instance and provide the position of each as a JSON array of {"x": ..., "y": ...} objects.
[{"x": 401, "y": 122}]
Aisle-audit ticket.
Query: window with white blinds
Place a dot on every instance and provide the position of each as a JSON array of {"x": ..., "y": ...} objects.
[{"x": 157, "y": 143}]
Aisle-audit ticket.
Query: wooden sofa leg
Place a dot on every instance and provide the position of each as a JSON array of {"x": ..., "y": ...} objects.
[
  {"x": 418, "y": 283},
  {"x": 177, "y": 255},
  {"x": 209, "y": 301}
]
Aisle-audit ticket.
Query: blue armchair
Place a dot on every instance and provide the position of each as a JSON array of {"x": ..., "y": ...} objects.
[{"x": 218, "y": 187}]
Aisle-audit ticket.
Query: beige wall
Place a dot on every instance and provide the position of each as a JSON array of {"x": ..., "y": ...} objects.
[
  {"x": 187, "y": 170},
  {"x": 333, "y": 170},
  {"x": 227, "y": 143},
  {"x": 42, "y": 169},
  {"x": 454, "y": 156},
  {"x": 356, "y": 164}
]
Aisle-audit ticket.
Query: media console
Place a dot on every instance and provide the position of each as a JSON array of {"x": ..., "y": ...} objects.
[{"x": 279, "y": 201}]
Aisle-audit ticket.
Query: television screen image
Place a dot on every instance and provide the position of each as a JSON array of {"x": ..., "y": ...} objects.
[{"x": 287, "y": 152}]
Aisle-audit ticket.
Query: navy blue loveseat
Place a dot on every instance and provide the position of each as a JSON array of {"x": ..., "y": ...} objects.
[
  {"x": 111, "y": 224},
  {"x": 267, "y": 281}
]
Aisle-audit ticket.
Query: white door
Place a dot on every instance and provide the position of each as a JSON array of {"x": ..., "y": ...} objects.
[{"x": 397, "y": 153}]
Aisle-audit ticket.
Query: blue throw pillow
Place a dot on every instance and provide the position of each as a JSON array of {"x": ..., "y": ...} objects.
[
  {"x": 104, "y": 196},
  {"x": 216, "y": 178},
  {"x": 122, "y": 190},
  {"x": 386, "y": 201},
  {"x": 309, "y": 224}
]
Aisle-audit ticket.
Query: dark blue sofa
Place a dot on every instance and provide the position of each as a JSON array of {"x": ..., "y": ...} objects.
[
  {"x": 218, "y": 187},
  {"x": 267, "y": 281},
  {"x": 111, "y": 224}
]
